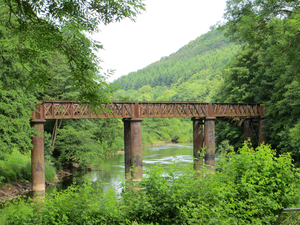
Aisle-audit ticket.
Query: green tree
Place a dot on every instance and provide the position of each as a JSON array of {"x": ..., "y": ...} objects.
[
  {"x": 45, "y": 52},
  {"x": 267, "y": 69},
  {"x": 40, "y": 27}
]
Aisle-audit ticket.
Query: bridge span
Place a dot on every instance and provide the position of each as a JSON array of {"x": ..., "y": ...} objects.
[{"x": 203, "y": 116}]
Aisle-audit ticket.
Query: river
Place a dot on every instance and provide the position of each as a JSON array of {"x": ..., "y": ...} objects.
[{"x": 112, "y": 168}]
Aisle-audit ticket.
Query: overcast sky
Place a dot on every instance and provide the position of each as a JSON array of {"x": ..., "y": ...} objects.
[{"x": 165, "y": 27}]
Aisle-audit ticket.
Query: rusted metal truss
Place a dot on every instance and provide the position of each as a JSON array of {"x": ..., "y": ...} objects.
[{"x": 129, "y": 109}]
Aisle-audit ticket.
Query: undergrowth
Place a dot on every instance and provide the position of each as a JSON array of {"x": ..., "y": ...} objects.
[
  {"x": 250, "y": 188},
  {"x": 18, "y": 166}
]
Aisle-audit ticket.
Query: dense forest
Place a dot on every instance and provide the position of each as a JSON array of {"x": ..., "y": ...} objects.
[
  {"x": 45, "y": 53},
  {"x": 193, "y": 73},
  {"x": 246, "y": 60},
  {"x": 254, "y": 57},
  {"x": 258, "y": 62}
]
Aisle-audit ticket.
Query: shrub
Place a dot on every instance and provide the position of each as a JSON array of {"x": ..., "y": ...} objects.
[
  {"x": 50, "y": 172},
  {"x": 250, "y": 189},
  {"x": 18, "y": 166}
]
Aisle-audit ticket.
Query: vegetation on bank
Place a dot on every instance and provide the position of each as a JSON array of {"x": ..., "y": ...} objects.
[
  {"x": 17, "y": 166},
  {"x": 249, "y": 188},
  {"x": 46, "y": 54},
  {"x": 262, "y": 66}
]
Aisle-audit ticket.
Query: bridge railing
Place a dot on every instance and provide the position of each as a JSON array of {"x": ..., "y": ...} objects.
[{"x": 131, "y": 109}]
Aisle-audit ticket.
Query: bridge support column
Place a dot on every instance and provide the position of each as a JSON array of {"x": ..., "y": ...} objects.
[
  {"x": 38, "y": 159},
  {"x": 262, "y": 137},
  {"x": 197, "y": 142},
  {"x": 248, "y": 132},
  {"x": 127, "y": 148},
  {"x": 133, "y": 149},
  {"x": 209, "y": 140}
]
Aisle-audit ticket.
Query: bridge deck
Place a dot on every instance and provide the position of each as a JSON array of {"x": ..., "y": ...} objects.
[{"x": 139, "y": 109}]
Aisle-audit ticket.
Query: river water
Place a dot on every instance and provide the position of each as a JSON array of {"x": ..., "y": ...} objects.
[{"x": 112, "y": 169}]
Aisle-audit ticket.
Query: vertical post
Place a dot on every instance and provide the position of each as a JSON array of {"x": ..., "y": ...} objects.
[
  {"x": 197, "y": 142},
  {"x": 248, "y": 133},
  {"x": 136, "y": 149},
  {"x": 37, "y": 153},
  {"x": 127, "y": 148},
  {"x": 209, "y": 136}
]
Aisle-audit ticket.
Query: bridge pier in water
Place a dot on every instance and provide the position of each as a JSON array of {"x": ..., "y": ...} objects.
[
  {"x": 209, "y": 136},
  {"x": 132, "y": 114},
  {"x": 133, "y": 149},
  {"x": 197, "y": 142},
  {"x": 209, "y": 140}
]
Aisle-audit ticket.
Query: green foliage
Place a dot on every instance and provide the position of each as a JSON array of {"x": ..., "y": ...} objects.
[
  {"x": 47, "y": 54},
  {"x": 250, "y": 189},
  {"x": 83, "y": 141},
  {"x": 266, "y": 70},
  {"x": 204, "y": 57},
  {"x": 32, "y": 31},
  {"x": 18, "y": 166},
  {"x": 193, "y": 73},
  {"x": 50, "y": 172},
  {"x": 166, "y": 130},
  {"x": 15, "y": 166},
  {"x": 263, "y": 183},
  {"x": 15, "y": 111}
]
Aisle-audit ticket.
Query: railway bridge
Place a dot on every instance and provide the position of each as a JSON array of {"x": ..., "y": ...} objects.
[{"x": 203, "y": 116}]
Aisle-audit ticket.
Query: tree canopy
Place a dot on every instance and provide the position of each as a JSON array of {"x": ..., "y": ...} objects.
[
  {"x": 38, "y": 28},
  {"x": 46, "y": 52},
  {"x": 267, "y": 68}
]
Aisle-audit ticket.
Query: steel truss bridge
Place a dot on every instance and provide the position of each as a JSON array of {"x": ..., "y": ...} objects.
[{"x": 141, "y": 109}]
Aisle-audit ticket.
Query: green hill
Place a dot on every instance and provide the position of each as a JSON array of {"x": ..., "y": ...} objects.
[
  {"x": 190, "y": 74},
  {"x": 193, "y": 73}
]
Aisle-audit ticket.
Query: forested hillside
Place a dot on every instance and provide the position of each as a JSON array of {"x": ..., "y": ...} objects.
[
  {"x": 193, "y": 73},
  {"x": 201, "y": 59},
  {"x": 190, "y": 74},
  {"x": 262, "y": 66}
]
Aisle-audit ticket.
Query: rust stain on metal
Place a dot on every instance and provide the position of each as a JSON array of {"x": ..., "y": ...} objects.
[{"x": 142, "y": 109}]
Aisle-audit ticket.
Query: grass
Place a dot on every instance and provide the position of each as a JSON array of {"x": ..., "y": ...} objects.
[{"x": 18, "y": 166}]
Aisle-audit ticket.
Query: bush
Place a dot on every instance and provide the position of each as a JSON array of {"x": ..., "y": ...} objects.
[
  {"x": 50, "y": 172},
  {"x": 250, "y": 189},
  {"x": 18, "y": 166}
]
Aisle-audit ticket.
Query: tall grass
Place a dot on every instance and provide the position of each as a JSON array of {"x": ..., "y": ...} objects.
[
  {"x": 250, "y": 189},
  {"x": 18, "y": 166}
]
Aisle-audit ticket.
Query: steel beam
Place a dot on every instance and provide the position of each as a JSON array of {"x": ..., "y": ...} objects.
[
  {"x": 38, "y": 159},
  {"x": 197, "y": 142},
  {"x": 139, "y": 109}
]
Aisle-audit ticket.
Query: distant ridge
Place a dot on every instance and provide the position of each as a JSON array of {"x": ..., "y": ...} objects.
[{"x": 207, "y": 53}]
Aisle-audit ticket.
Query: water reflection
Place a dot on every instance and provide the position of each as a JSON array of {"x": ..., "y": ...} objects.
[{"x": 112, "y": 170}]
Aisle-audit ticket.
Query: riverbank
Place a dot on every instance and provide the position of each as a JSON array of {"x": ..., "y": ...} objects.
[{"x": 13, "y": 190}]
